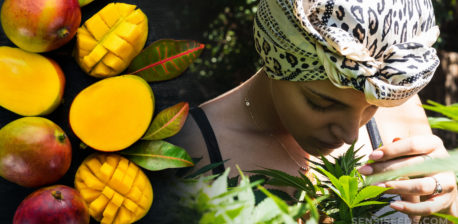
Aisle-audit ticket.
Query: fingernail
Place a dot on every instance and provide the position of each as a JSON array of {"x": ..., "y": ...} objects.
[
  {"x": 375, "y": 155},
  {"x": 396, "y": 205},
  {"x": 396, "y": 139},
  {"x": 380, "y": 185},
  {"x": 366, "y": 170}
]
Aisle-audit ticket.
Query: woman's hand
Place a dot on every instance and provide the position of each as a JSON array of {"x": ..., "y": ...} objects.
[{"x": 420, "y": 196}]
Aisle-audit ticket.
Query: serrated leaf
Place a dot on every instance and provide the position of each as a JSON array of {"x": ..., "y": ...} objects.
[
  {"x": 281, "y": 178},
  {"x": 165, "y": 59},
  {"x": 368, "y": 193},
  {"x": 168, "y": 122},
  {"x": 280, "y": 203},
  {"x": 350, "y": 186},
  {"x": 157, "y": 155}
]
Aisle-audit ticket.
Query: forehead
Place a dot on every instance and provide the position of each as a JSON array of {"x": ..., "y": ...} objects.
[{"x": 347, "y": 96}]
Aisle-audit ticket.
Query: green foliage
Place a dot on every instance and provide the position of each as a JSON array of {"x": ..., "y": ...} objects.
[
  {"x": 450, "y": 122},
  {"x": 230, "y": 56},
  {"x": 344, "y": 195},
  {"x": 215, "y": 202}
]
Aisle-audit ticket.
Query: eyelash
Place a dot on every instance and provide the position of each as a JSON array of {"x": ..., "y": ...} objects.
[{"x": 317, "y": 107}]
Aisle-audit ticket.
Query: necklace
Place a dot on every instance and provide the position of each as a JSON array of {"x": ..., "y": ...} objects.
[{"x": 271, "y": 135}]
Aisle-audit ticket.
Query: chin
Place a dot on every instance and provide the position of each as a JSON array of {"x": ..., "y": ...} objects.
[{"x": 320, "y": 150}]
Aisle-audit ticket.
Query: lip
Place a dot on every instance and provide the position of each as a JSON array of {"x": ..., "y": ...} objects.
[{"x": 329, "y": 145}]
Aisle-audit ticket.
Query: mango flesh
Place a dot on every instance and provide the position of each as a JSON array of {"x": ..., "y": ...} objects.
[
  {"x": 116, "y": 190},
  {"x": 53, "y": 205},
  {"x": 24, "y": 90},
  {"x": 113, "y": 113},
  {"x": 108, "y": 41},
  {"x": 40, "y": 25},
  {"x": 34, "y": 152}
]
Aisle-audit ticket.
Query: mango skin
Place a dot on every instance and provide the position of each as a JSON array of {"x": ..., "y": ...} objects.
[
  {"x": 40, "y": 25},
  {"x": 34, "y": 152},
  {"x": 12, "y": 63},
  {"x": 53, "y": 205}
]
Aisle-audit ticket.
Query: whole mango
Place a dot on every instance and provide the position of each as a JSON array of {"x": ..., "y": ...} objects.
[
  {"x": 40, "y": 25},
  {"x": 34, "y": 151},
  {"x": 109, "y": 40},
  {"x": 19, "y": 80},
  {"x": 115, "y": 189},
  {"x": 53, "y": 205}
]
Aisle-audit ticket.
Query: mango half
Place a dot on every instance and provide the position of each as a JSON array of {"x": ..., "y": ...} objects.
[
  {"x": 30, "y": 84},
  {"x": 115, "y": 189},
  {"x": 108, "y": 41},
  {"x": 113, "y": 113}
]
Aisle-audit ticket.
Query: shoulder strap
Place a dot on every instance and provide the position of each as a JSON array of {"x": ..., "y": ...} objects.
[
  {"x": 210, "y": 139},
  {"x": 374, "y": 135}
]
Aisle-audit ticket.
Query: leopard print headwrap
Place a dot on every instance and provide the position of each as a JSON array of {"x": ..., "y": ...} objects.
[{"x": 380, "y": 47}]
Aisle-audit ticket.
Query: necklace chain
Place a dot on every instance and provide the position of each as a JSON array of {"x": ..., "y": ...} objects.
[{"x": 271, "y": 135}]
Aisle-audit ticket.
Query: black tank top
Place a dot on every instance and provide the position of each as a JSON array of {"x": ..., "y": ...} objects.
[{"x": 212, "y": 144}]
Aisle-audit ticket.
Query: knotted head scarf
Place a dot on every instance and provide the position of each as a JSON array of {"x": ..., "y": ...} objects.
[{"x": 380, "y": 47}]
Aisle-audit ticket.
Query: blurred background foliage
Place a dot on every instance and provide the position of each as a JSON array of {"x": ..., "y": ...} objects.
[{"x": 229, "y": 58}]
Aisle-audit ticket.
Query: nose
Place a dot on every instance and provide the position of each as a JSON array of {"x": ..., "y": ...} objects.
[{"x": 347, "y": 129}]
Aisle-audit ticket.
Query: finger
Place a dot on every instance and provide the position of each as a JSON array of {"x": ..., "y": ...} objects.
[
  {"x": 432, "y": 205},
  {"x": 409, "y": 146},
  {"x": 414, "y": 199},
  {"x": 422, "y": 186}
]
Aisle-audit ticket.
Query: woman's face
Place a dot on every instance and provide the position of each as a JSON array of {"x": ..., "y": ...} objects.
[{"x": 320, "y": 116}]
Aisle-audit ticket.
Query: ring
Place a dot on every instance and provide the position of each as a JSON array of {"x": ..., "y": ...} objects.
[
  {"x": 426, "y": 157},
  {"x": 438, "y": 188}
]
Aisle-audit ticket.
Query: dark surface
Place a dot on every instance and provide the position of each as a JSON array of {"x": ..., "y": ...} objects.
[{"x": 178, "y": 19}]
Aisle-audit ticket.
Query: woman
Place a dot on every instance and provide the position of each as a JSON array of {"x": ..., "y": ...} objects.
[{"x": 329, "y": 67}]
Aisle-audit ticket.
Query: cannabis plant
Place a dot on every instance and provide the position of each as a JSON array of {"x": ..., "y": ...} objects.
[
  {"x": 346, "y": 195},
  {"x": 215, "y": 202}
]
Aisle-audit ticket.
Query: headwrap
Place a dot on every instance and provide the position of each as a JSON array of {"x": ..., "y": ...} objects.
[{"x": 380, "y": 47}]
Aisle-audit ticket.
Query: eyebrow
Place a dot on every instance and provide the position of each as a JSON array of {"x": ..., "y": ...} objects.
[{"x": 328, "y": 98}]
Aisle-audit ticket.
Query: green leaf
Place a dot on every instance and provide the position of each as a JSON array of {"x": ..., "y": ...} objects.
[
  {"x": 365, "y": 203},
  {"x": 168, "y": 122},
  {"x": 333, "y": 179},
  {"x": 157, "y": 155},
  {"x": 281, "y": 178},
  {"x": 450, "y": 111},
  {"x": 350, "y": 186},
  {"x": 84, "y": 2},
  {"x": 280, "y": 203},
  {"x": 368, "y": 193},
  {"x": 205, "y": 169},
  {"x": 448, "y": 217},
  {"x": 165, "y": 59},
  {"x": 443, "y": 123},
  {"x": 435, "y": 165}
]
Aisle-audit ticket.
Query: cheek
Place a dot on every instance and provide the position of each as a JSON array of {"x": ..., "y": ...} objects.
[{"x": 297, "y": 117}]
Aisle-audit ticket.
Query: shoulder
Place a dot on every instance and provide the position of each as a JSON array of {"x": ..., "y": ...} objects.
[{"x": 408, "y": 119}]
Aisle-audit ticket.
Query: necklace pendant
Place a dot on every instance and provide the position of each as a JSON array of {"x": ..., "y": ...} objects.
[{"x": 247, "y": 103}]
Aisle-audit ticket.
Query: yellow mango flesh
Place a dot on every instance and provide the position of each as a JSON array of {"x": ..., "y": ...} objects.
[
  {"x": 116, "y": 200},
  {"x": 30, "y": 84},
  {"x": 108, "y": 41},
  {"x": 113, "y": 113}
]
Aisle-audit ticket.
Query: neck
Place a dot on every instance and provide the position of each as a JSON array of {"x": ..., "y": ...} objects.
[{"x": 261, "y": 105}]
